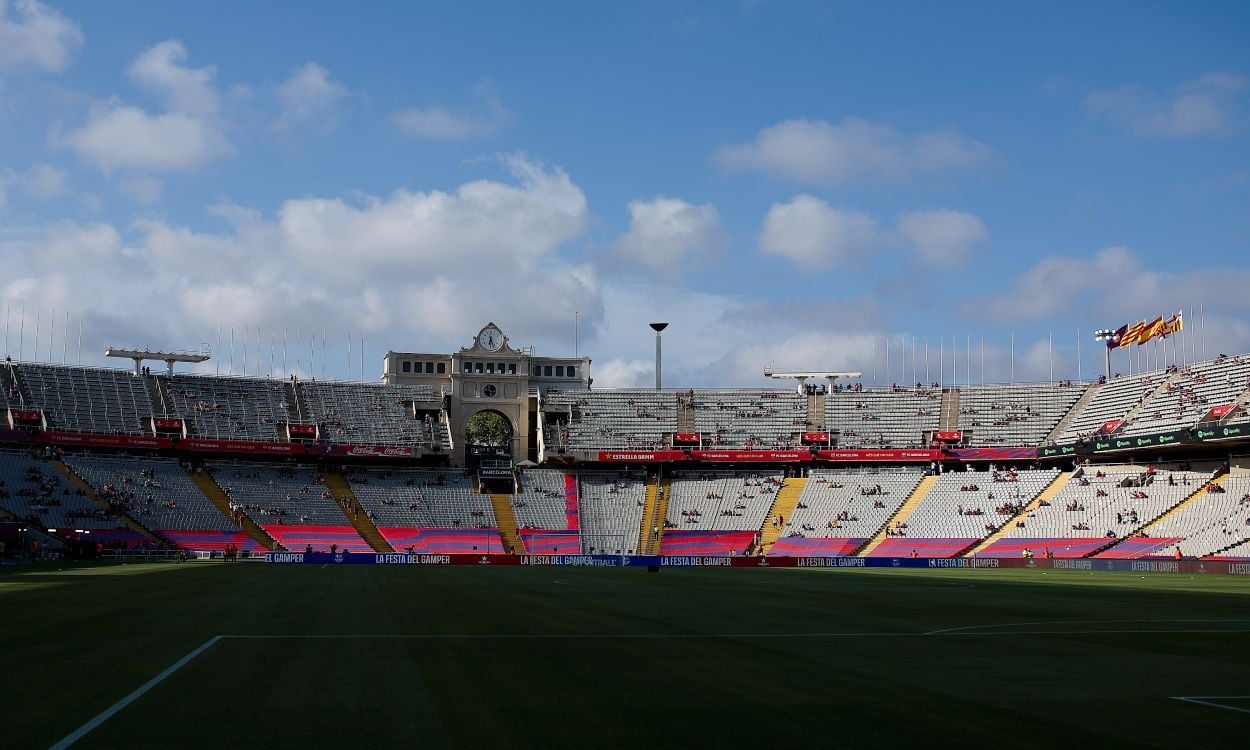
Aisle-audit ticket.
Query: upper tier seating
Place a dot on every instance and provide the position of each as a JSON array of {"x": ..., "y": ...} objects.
[
  {"x": 721, "y": 500},
  {"x": 1196, "y": 389},
  {"x": 541, "y": 501},
  {"x": 422, "y": 498},
  {"x": 626, "y": 418},
  {"x": 750, "y": 418},
  {"x": 611, "y": 505},
  {"x": 231, "y": 408},
  {"x": 368, "y": 413},
  {"x": 84, "y": 399},
  {"x": 155, "y": 491},
  {"x": 1014, "y": 415},
  {"x": 884, "y": 418},
  {"x": 1111, "y": 401},
  {"x": 838, "y": 503},
  {"x": 34, "y": 491}
]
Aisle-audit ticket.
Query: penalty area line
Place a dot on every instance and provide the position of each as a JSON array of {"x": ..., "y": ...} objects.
[
  {"x": 104, "y": 715},
  {"x": 1209, "y": 700}
]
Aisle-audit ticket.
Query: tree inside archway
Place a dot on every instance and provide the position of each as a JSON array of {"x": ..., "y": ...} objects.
[{"x": 487, "y": 428}]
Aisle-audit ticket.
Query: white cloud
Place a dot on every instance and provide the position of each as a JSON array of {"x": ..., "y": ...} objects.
[
  {"x": 184, "y": 89},
  {"x": 943, "y": 237},
  {"x": 36, "y": 36},
  {"x": 1211, "y": 104},
  {"x": 44, "y": 181},
  {"x": 187, "y": 136},
  {"x": 4, "y": 197},
  {"x": 309, "y": 98},
  {"x": 123, "y": 137},
  {"x": 853, "y": 150},
  {"x": 814, "y": 234},
  {"x": 668, "y": 235},
  {"x": 144, "y": 189},
  {"x": 438, "y": 122}
]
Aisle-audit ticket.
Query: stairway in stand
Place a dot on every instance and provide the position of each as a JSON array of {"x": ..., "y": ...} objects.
[
  {"x": 89, "y": 491},
  {"x": 337, "y": 484},
  {"x": 654, "y": 511},
  {"x": 900, "y": 515},
  {"x": 213, "y": 491},
  {"x": 506, "y": 519},
  {"x": 787, "y": 499},
  {"x": 1045, "y": 496},
  {"x": 948, "y": 419}
]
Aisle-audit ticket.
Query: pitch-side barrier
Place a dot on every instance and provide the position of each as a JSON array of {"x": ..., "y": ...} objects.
[{"x": 1224, "y": 567}]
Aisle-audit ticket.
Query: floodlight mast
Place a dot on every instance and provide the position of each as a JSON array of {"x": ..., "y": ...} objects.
[{"x": 657, "y": 327}]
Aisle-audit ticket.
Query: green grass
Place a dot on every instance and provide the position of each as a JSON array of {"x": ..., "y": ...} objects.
[{"x": 715, "y": 658}]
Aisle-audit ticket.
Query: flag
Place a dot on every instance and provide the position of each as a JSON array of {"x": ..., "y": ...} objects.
[
  {"x": 1130, "y": 336},
  {"x": 1114, "y": 341},
  {"x": 1179, "y": 325},
  {"x": 1150, "y": 330},
  {"x": 1170, "y": 326}
]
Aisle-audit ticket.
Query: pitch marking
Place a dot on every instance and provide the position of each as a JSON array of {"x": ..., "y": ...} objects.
[
  {"x": 1209, "y": 700},
  {"x": 966, "y": 630},
  {"x": 78, "y": 733}
]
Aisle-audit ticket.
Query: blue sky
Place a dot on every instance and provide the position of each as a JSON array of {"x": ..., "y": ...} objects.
[{"x": 785, "y": 182}]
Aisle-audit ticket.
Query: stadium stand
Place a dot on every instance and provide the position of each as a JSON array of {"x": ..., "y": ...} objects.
[
  {"x": 430, "y": 510},
  {"x": 1098, "y": 506},
  {"x": 1111, "y": 401},
  {"x": 86, "y": 399},
  {"x": 611, "y": 505},
  {"x": 158, "y": 493},
  {"x": 34, "y": 492},
  {"x": 291, "y": 503},
  {"x": 1208, "y": 525},
  {"x": 231, "y": 408},
  {"x": 546, "y": 512},
  {"x": 1007, "y": 415},
  {"x": 885, "y": 418},
  {"x": 1190, "y": 394},
  {"x": 749, "y": 418},
  {"x": 839, "y": 510},
  {"x": 604, "y": 420},
  {"x": 368, "y": 413},
  {"x": 717, "y": 512},
  {"x": 961, "y": 508}
]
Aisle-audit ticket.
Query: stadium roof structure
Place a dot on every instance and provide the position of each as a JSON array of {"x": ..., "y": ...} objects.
[{"x": 169, "y": 358}]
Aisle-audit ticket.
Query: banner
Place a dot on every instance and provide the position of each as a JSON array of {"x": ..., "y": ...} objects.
[
  {"x": 768, "y": 456},
  {"x": 949, "y": 436},
  {"x": 1226, "y": 432},
  {"x": 103, "y": 441},
  {"x": 242, "y": 446},
  {"x": 1141, "y": 441},
  {"x": 641, "y": 456},
  {"x": 686, "y": 438},
  {"x": 1110, "y": 426},
  {"x": 302, "y": 430},
  {"x": 907, "y": 455},
  {"x": 14, "y": 435},
  {"x": 167, "y": 424},
  {"x": 1050, "y": 451},
  {"x": 365, "y": 451},
  {"x": 1216, "y": 413},
  {"x": 26, "y": 416},
  {"x": 816, "y": 437},
  {"x": 992, "y": 454}
]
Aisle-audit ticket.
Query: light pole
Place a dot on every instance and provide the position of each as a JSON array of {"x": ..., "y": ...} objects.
[
  {"x": 1106, "y": 336},
  {"x": 657, "y": 327}
]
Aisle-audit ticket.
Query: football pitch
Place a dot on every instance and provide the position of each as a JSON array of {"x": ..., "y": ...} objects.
[{"x": 224, "y": 656}]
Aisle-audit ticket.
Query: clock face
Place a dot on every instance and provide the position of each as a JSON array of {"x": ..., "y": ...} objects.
[
  {"x": 489, "y": 391},
  {"x": 491, "y": 339}
]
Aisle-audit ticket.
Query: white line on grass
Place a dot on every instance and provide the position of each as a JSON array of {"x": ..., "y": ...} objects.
[
  {"x": 78, "y": 733},
  {"x": 1207, "y": 700},
  {"x": 962, "y": 630}
]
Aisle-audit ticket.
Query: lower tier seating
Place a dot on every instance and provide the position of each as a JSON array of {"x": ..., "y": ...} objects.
[
  {"x": 904, "y": 546},
  {"x": 211, "y": 541},
  {"x": 1062, "y": 548},
  {"x": 297, "y": 538},
  {"x": 550, "y": 542},
  {"x": 443, "y": 541},
  {"x": 809, "y": 547},
  {"x": 682, "y": 542}
]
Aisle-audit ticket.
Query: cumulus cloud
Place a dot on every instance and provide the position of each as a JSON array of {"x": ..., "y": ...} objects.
[
  {"x": 44, "y": 181},
  {"x": 36, "y": 36},
  {"x": 1211, "y": 104},
  {"x": 309, "y": 98},
  {"x": 850, "y": 151},
  {"x": 667, "y": 235},
  {"x": 187, "y": 136},
  {"x": 144, "y": 189},
  {"x": 812, "y": 233},
  {"x": 437, "y": 122},
  {"x": 943, "y": 237}
]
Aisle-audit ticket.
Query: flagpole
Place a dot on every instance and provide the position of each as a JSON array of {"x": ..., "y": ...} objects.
[
  {"x": 941, "y": 361},
  {"x": 874, "y": 360},
  {"x": 887, "y": 357},
  {"x": 246, "y": 331},
  {"x": 914, "y": 375},
  {"x": 1202, "y": 330},
  {"x": 80, "y": 337},
  {"x": 65, "y": 340},
  {"x": 38, "y": 317},
  {"x": 1013, "y": 357},
  {"x": 927, "y": 379},
  {"x": 231, "y": 351}
]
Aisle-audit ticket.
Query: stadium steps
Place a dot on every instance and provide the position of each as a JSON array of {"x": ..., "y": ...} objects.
[
  {"x": 816, "y": 411},
  {"x": 900, "y": 516},
  {"x": 217, "y": 496},
  {"x": 1077, "y": 409},
  {"x": 1200, "y": 492},
  {"x": 506, "y": 518},
  {"x": 1155, "y": 393},
  {"x": 1046, "y": 495},
  {"x": 297, "y": 409},
  {"x": 159, "y": 396},
  {"x": 338, "y": 486},
  {"x": 654, "y": 512},
  {"x": 8, "y": 381},
  {"x": 784, "y": 504},
  {"x": 949, "y": 416},
  {"x": 64, "y": 470},
  {"x": 685, "y": 414}
]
